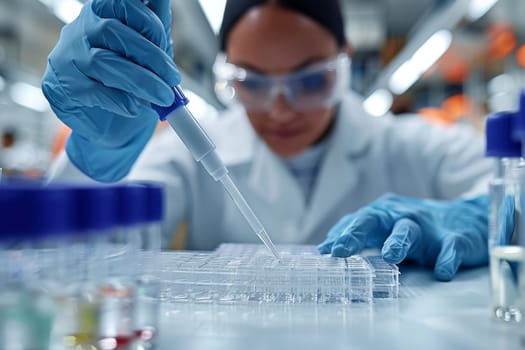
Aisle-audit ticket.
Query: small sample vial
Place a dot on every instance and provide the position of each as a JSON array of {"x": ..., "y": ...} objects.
[
  {"x": 147, "y": 294},
  {"x": 34, "y": 220},
  {"x": 505, "y": 256},
  {"x": 94, "y": 218},
  {"x": 118, "y": 289}
]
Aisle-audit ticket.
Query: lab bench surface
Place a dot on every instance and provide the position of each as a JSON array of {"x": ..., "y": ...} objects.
[{"x": 427, "y": 315}]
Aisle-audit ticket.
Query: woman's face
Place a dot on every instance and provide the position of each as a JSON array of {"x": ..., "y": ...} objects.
[{"x": 272, "y": 40}]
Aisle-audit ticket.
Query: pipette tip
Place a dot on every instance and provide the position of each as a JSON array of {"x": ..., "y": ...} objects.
[{"x": 265, "y": 238}]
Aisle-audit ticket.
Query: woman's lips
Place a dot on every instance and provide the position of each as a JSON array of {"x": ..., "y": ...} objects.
[{"x": 284, "y": 133}]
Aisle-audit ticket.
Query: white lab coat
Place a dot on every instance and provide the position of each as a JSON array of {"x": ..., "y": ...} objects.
[{"x": 365, "y": 158}]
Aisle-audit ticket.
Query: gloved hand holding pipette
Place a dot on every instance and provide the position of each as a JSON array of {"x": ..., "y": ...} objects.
[
  {"x": 109, "y": 65},
  {"x": 120, "y": 77}
]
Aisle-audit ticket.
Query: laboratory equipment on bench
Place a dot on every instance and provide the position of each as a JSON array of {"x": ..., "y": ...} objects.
[
  {"x": 507, "y": 157},
  {"x": 203, "y": 151},
  {"x": 33, "y": 222},
  {"x": 247, "y": 274},
  {"x": 147, "y": 304},
  {"x": 71, "y": 276},
  {"x": 505, "y": 136},
  {"x": 79, "y": 302},
  {"x": 504, "y": 195},
  {"x": 118, "y": 288}
]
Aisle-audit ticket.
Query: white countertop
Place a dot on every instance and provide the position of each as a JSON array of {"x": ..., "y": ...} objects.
[{"x": 427, "y": 315}]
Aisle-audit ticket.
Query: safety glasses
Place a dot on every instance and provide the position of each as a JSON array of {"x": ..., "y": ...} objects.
[{"x": 316, "y": 86}]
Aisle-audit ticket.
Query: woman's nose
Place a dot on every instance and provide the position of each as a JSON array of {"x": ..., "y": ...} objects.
[{"x": 281, "y": 111}]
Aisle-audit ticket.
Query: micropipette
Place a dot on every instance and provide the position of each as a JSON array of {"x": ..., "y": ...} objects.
[{"x": 202, "y": 149}]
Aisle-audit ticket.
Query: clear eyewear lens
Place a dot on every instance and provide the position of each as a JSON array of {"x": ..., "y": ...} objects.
[
  {"x": 313, "y": 89},
  {"x": 317, "y": 86}
]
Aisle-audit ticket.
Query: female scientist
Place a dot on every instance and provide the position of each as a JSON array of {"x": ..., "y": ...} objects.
[{"x": 300, "y": 146}]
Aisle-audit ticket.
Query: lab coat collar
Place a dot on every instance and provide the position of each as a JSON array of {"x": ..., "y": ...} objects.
[
  {"x": 340, "y": 170},
  {"x": 272, "y": 182}
]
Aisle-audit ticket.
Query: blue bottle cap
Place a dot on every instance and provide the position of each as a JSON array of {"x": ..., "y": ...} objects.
[
  {"x": 95, "y": 208},
  {"x": 131, "y": 204},
  {"x": 499, "y": 136},
  {"x": 31, "y": 211},
  {"x": 518, "y": 132},
  {"x": 155, "y": 201}
]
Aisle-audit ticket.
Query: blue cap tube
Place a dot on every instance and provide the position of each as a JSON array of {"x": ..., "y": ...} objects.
[
  {"x": 499, "y": 132},
  {"x": 95, "y": 208},
  {"x": 131, "y": 204},
  {"x": 33, "y": 212}
]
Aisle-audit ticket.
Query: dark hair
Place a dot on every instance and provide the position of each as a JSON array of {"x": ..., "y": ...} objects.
[{"x": 325, "y": 12}]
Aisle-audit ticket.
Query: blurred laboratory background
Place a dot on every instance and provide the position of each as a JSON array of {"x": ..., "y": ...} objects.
[{"x": 450, "y": 61}]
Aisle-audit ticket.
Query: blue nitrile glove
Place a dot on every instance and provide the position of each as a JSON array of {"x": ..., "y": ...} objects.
[
  {"x": 442, "y": 234},
  {"x": 109, "y": 65}
]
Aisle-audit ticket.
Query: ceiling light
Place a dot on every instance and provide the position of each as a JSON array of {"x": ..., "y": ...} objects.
[
  {"x": 378, "y": 103},
  {"x": 424, "y": 58},
  {"x": 403, "y": 78},
  {"x": 431, "y": 50}
]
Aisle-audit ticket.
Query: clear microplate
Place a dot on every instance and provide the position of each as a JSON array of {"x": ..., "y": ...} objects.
[
  {"x": 180, "y": 275},
  {"x": 332, "y": 281},
  {"x": 386, "y": 278},
  {"x": 247, "y": 273},
  {"x": 359, "y": 279},
  {"x": 304, "y": 281}
]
